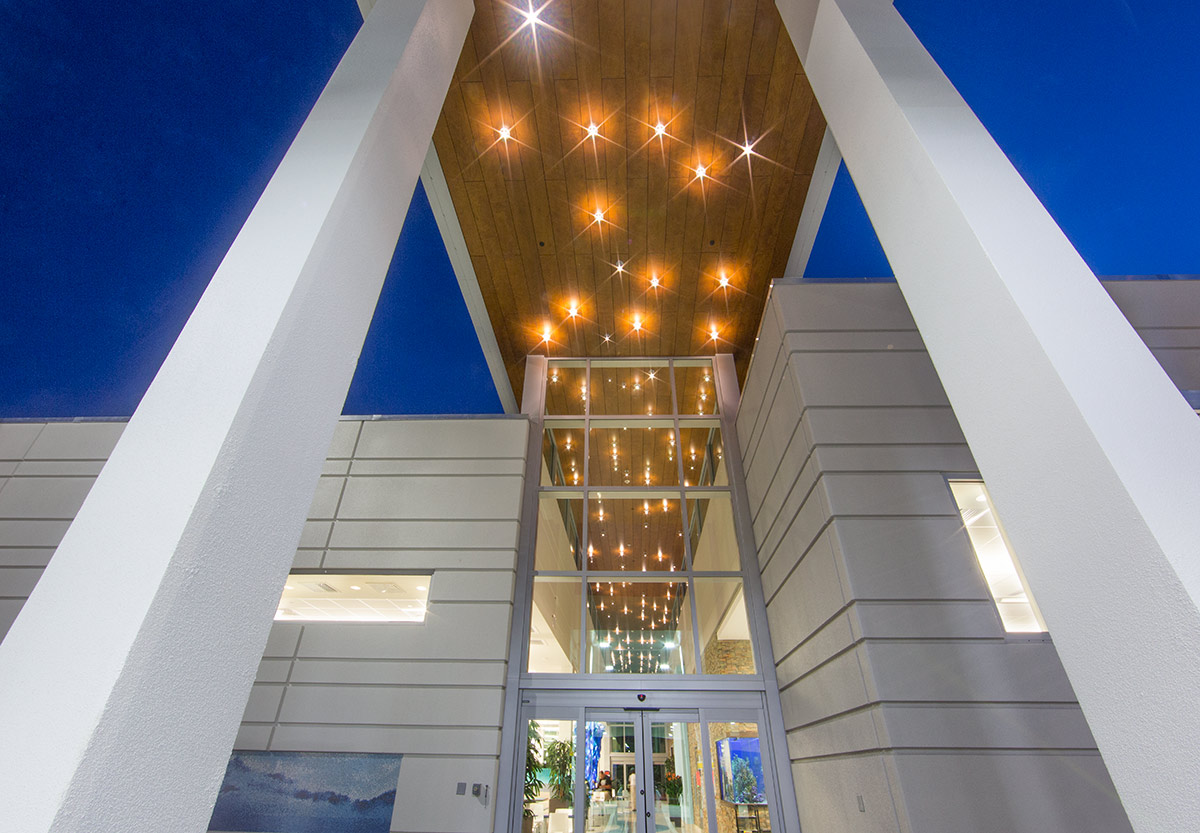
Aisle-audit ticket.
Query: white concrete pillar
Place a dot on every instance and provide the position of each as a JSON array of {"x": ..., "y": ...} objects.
[
  {"x": 1091, "y": 454},
  {"x": 125, "y": 676},
  {"x": 816, "y": 200}
]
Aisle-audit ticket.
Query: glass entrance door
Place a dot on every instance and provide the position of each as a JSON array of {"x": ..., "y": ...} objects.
[{"x": 646, "y": 770}]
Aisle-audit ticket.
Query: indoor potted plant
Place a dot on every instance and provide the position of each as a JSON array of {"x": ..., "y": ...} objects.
[
  {"x": 560, "y": 760},
  {"x": 533, "y": 780}
]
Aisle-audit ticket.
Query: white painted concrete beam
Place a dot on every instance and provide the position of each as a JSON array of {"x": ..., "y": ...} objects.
[
  {"x": 126, "y": 673},
  {"x": 829, "y": 159},
  {"x": 468, "y": 282}
]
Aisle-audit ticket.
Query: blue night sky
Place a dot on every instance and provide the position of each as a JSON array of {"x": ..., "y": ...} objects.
[
  {"x": 137, "y": 136},
  {"x": 1094, "y": 103}
]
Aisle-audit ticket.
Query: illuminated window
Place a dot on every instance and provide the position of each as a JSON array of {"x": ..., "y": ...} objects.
[
  {"x": 323, "y": 597},
  {"x": 637, "y": 568},
  {"x": 1004, "y": 580}
]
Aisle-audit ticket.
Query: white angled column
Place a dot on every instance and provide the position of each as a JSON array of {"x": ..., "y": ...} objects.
[
  {"x": 1091, "y": 454},
  {"x": 816, "y": 200},
  {"x": 123, "y": 680}
]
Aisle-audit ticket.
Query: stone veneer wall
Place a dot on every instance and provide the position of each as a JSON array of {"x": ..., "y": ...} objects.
[{"x": 728, "y": 656}]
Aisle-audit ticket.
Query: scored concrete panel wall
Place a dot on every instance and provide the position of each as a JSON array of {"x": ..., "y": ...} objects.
[
  {"x": 1166, "y": 315},
  {"x": 49, "y": 469},
  {"x": 892, "y": 661},
  {"x": 438, "y": 497}
]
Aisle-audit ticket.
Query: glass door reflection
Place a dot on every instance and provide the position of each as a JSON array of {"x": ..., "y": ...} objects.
[
  {"x": 645, "y": 773},
  {"x": 613, "y": 801},
  {"x": 678, "y": 773}
]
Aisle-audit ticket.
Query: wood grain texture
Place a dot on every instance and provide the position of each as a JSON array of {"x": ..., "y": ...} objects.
[{"x": 717, "y": 73}]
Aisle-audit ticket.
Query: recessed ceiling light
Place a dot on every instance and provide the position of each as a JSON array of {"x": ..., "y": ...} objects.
[
  {"x": 598, "y": 215},
  {"x": 712, "y": 331},
  {"x": 546, "y": 333},
  {"x": 505, "y": 133},
  {"x": 532, "y": 16},
  {"x": 654, "y": 281},
  {"x": 620, "y": 266},
  {"x": 660, "y": 129},
  {"x": 572, "y": 310},
  {"x": 593, "y": 131},
  {"x": 747, "y": 149},
  {"x": 637, "y": 323},
  {"x": 701, "y": 171}
]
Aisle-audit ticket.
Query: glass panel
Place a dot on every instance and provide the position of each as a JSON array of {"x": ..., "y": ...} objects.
[
  {"x": 1016, "y": 608},
  {"x": 710, "y": 527},
  {"x": 639, "y": 453},
  {"x": 697, "y": 393},
  {"x": 680, "y": 805},
  {"x": 550, "y": 775},
  {"x": 642, "y": 388},
  {"x": 560, "y": 529},
  {"x": 562, "y": 453},
  {"x": 639, "y": 533},
  {"x": 566, "y": 387},
  {"x": 328, "y": 597},
  {"x": 554, "y": 626},
  {"x": 739, "y": 778},
  {"x": 724, "y": 627},
  {"x": 703, "y": 456},
  {"x": 639, "y": 627},
  {"x": 610, "y": 765}
]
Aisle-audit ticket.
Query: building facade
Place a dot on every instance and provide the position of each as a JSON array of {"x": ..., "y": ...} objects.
[
  {"x": 841, "y": 626},
  {"x": 906, "y": 705}
]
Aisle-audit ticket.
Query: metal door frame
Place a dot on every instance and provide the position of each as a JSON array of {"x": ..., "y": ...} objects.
[{"x": 653, "y": 707}]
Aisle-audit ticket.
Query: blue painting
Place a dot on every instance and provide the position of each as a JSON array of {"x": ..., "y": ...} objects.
[
  {"x": 739, "y": 763},
  {"x": 307, "y": 792}
]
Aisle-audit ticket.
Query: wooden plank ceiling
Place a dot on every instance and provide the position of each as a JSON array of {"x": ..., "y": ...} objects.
[{"x": 718, "y": 75}]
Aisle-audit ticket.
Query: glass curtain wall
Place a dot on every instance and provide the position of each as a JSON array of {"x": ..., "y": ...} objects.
[{"x": 636, "y": 568}]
